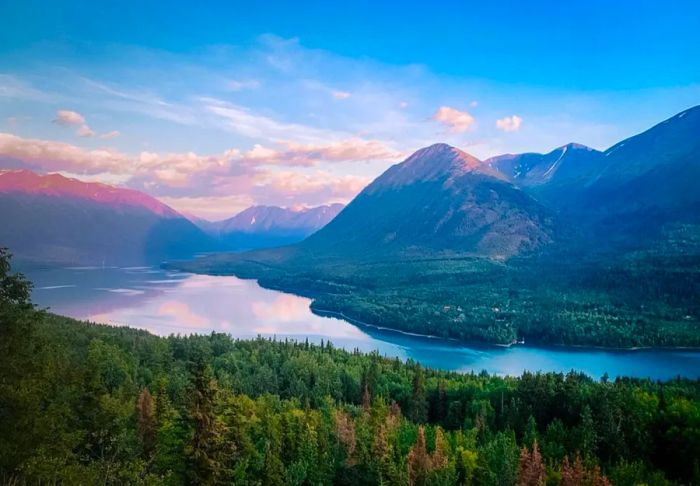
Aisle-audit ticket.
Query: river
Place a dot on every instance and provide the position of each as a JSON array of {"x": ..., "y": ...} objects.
[{"x": 166, "y": 302}]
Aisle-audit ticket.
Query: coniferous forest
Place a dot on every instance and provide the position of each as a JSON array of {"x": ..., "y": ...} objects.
[{"x": 89, "y": 404}]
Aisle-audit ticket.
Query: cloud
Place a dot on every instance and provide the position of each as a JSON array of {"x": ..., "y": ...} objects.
[
  {"x": 509, "y": 123},
  {"x": 299, "y": 154},
  {"x": 84, "y": 131},
  {"x": 110, "y": 135},
  {"x": 403, "y": 104},
  {"x": 203, "y": 184},
  {"x": 51, "y": 155},
  {"x": 474, "y": 104},
  {"x": 244, "y": 122},
  {"x": 68, "y": 118},
  {"x": 341, "y": 95},
  {"x": 456, "y": 121}
]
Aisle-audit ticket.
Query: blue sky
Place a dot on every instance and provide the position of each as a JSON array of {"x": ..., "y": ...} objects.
[{"x": 217, "y": 107}]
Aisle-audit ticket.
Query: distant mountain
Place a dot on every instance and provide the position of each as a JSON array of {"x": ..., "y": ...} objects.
[
  {"x": 571, "y": 164},
  {"x": 267, "y": 226},
  {"x": 440, "y": 199},
  {"x": 54, "y": 218}
]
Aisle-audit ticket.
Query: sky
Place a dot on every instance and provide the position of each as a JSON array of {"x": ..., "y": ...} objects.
[{"x": 216, "y": 106}]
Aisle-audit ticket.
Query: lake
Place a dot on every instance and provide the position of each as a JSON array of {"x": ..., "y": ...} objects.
[{"x": 166, "y": 302}]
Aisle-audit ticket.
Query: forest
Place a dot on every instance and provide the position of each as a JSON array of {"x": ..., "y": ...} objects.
[
  {"x": 563, "y": 297},
  {"x": 82, "y": 403}
]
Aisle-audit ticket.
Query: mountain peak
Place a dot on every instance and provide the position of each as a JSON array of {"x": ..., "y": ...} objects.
[
  {"x": 576, "y": 146},
  {"x": 437, "y": 161}
]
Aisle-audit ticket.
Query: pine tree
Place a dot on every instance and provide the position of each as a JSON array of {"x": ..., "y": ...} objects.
[
  {"x": 206, "y": 446},
  {"x": 419, "y": 462},
  {"x": 531, "y": 471},
  {"x": 146, "y": 426},
  {"x": 419, "y": 402}
]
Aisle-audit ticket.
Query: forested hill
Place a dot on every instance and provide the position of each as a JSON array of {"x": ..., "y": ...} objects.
[{"x": 88, "y": 404}]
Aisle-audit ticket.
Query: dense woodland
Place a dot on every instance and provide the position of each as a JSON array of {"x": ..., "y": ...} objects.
[
  {"x": 88, "y": 404},
  {"x": 574, "y": 296}
]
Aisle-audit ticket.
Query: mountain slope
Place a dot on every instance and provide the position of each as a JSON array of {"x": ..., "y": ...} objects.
[
  {"x": 54, "y": 218},
  {"x": 440, "y": 199}
]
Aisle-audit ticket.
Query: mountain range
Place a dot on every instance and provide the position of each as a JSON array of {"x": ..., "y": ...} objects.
[
  {"x": 269, "y": 226},
  {"x": 52, "y": 218}
]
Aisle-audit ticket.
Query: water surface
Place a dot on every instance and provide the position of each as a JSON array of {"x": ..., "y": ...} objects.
[{"x": 165, "y": 302}]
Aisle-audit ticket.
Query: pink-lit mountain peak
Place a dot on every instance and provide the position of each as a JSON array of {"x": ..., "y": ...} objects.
[{"x": 28, "y": 182}]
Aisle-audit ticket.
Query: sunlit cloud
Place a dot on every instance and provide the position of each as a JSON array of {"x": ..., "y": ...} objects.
[
  {"x": 52, "y": 155},
  {"x": 509, "y": 123},
  {"x": 181, "y": 312},
  {"x": 204, "y": 184},
  {"x": 85, "y": 131},
  {"x": 456, "y": 121},
  {"x": 69, "y": 117}
]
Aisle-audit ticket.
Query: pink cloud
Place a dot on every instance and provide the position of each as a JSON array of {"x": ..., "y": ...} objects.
[
  {"x": 68, "y": 117},
  {"x": 211, "y": 185},
  {"x": 456, "y": 121},
  {"x": 51, "y": 155},
  {"x": 85, "y": 131}
]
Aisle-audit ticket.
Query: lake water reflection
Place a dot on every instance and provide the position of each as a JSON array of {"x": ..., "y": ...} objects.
[{"x": 165, "y": 302}]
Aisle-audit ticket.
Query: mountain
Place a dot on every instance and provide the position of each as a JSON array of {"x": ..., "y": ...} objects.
[
  {"x": 440, "y": 199},
  {"x": 268, "y": 226},
  {"x": 570, "y": 164},
  {"x": 55, "y": 218}
]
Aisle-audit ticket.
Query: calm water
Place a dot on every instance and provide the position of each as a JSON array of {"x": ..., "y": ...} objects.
[{"x": 166, "y": 302}]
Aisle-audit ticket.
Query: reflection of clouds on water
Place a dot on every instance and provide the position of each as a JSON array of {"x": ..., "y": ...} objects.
[
  {"x": 181, "y": 312},
  {"x": 123, "y": 291},
  {"x": 284, "y": 308},
  {"x": 207, "y": 282}
]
